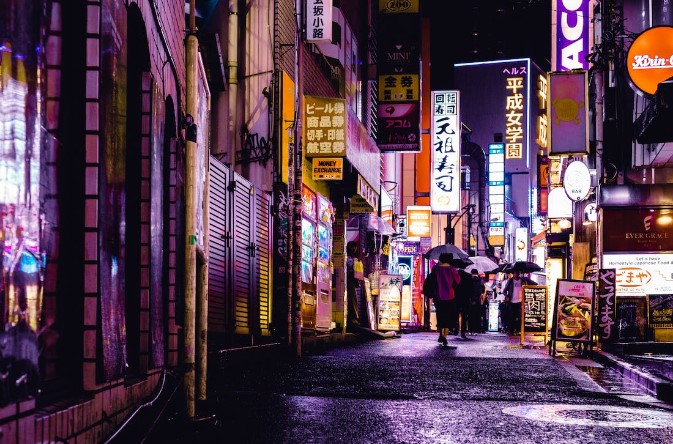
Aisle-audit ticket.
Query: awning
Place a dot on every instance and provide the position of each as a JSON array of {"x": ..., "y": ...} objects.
[{"x": 539, "y": 240}]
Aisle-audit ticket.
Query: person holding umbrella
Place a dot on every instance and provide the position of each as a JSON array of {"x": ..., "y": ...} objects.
[
  {"x": 514, "y": 296},
  {"x": 440, "y": 285}
]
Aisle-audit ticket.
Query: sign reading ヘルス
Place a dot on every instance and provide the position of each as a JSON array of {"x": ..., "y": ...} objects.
[{"x": 650, "y": 58}]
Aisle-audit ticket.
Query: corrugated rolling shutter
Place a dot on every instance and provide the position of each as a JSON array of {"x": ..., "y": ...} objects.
[
  {"x": 219, "y": 247},
  {"x": 263, "y": 259},
  {"x": 242, "y": 234}
]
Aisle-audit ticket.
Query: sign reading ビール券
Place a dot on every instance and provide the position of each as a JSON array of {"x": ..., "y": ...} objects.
[{"x": 325, "y": 126}]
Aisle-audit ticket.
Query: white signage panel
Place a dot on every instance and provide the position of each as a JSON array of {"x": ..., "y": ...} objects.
[
  {"x": 641, "y": 274},
  {"x": 445, "y": 133},
  {"x": 318, "y": 21}
]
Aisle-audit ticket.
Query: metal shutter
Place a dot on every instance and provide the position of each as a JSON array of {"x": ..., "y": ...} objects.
[{"x": 219, "y": 247}]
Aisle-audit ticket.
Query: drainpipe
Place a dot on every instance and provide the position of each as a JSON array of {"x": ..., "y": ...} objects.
[
  {"x": 232, "y": 79},
  {"x": 190, "y": 213},
  {"x": 298, "y": 165}
]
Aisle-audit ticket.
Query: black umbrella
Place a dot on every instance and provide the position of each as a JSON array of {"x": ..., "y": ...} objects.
[
  {"x": 434, "y": 252},
  {"x": 523, "y": 267},
  {"x": 461, "y": 262},
  {"x": 499, "y": 269}
]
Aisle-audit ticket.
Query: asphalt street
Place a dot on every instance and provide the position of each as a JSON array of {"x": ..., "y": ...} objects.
[{"x": 483, "y": 389}]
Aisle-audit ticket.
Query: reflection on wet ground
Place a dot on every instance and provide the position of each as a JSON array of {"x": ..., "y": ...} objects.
[{"x": 612, "y": 380}]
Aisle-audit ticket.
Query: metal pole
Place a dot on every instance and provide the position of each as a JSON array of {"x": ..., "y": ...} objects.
[
  {"x": 298, "y": 179},
  {"x": 190, "y": 214},
  {"x": 449, "y": 232}
]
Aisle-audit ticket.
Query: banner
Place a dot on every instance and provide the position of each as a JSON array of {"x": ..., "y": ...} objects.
[
  {"x": 568, "y": 113},
  {"x": 606, "y": 304}
]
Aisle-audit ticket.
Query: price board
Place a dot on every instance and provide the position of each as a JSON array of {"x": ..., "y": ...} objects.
[
  {"x": 661, "y": 310},
  {"x": 534, "y": 308}
]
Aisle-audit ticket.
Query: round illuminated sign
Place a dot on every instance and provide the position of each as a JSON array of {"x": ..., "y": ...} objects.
[
  {"x": 404, "y": 270},
  {"x": 650, "y": 58},
  {"x": 558, "y": 204},
  {"x": 577, "y": 181},
  {"x": 590, "y": 212}
]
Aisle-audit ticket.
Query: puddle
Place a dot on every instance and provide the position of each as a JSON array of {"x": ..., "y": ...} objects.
[{"x": 594, "y": 415}]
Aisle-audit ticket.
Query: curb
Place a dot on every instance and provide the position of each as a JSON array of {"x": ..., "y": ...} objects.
[{"x": 661, "y": 389}]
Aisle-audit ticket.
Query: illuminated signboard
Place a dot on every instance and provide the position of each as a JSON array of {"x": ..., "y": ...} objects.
[
  {"x": 418, "y": 222},
  {"x": 650, "y": 58},
  {"x": 568, "y": 113},
  {"x": 328, "y": 168},
  {"x": 445, "y": 133},
  {"x": 641, "y": 274},
  {"x": 318, "y": 21},
  {"x": 577, "y": 181},
  {"x": 496, "y": 193},
  {"x": 324, "y": 126},
  {"x": 571, "y": 34},
  {"x": 542, "y": 126},
  {"x": 521, "y": 244},
  {"x": 515, "y": 106},
  {"x": 399, "y": 88}
]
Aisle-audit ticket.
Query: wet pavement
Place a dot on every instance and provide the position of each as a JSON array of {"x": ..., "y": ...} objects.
[{"x": 486, "y": 388}]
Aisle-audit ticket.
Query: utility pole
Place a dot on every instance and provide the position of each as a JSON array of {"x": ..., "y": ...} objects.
[
  {"x": 192, "y": 46},
  {"x": 298, "y": 179}
]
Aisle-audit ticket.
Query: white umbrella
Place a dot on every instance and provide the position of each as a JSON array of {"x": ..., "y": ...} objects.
[{"x": 482, "y": 264}]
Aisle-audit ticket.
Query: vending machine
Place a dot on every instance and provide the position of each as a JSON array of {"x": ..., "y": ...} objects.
[
  {"x": 324, "y": 264},
  {"x": 308, "y": 259}
]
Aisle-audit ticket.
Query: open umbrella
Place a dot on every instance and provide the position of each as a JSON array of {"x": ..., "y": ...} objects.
[
  {"x": 460, "y": 262},
  {"x": 523, "y": 267},
  {"x": 434, "y": 252},
  {"x": 482, "y": 264},
  {"x": 499, "y": 269}
]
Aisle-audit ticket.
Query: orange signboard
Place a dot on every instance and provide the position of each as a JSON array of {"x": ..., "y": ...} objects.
[
  {"x": 418, "y": 221},
  {"x": 650, "y": 58}
]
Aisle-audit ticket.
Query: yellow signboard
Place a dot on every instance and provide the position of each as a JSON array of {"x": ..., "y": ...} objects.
[
  {"x": 399, "y": 88},
  {"x": 324, "y": 126},
  {"x": 328, "y": 168},
  {"x": 360, "y": 205},
  {"x": 399, "y": 6}
]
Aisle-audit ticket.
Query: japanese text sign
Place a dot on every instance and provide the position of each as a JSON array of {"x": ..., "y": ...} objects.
[
  {"x": 318, "y": 21},
  {"x": 418, "y": 222},
  {"x": 324, "y": 127},
  {"x": 445, "y": 175}
]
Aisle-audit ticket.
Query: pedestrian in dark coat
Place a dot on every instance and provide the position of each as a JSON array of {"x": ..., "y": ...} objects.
[{"x": 444, "y": 278}]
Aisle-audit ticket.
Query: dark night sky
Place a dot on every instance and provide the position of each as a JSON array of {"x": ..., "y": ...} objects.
[{"x": 482, "y": 30}]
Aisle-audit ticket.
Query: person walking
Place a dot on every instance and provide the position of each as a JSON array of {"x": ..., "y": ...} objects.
[
  {"x": 514, "y": 294},
  {"x": 463, "y": 297},
  {"x": 476, "y": 303},
  {"x": 440, "y": 285}
]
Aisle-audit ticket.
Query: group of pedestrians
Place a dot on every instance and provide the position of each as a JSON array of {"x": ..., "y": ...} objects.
[{"x": 459, "y": 299}]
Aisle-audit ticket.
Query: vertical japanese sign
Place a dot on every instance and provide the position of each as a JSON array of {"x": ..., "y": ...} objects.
[
  {"x": 568, "y": 113},
  {"x": 521, "y": 248},
  {"x": 399, "y": 87},
  {"x": 607, "y": 281},
  {"x": 515, "y": 107},
  {"x": 571, "y": 34},
  {"x": 324, "y": 127},
  {"x": 318, "y": 21},
  {"x": 542, "y": 138},
  {"x": 496, "y": 193},
  {"x": 445, "y": 133}
]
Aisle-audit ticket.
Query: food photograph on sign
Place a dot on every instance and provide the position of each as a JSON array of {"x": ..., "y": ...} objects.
[{"x": 574, "y": 310}]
